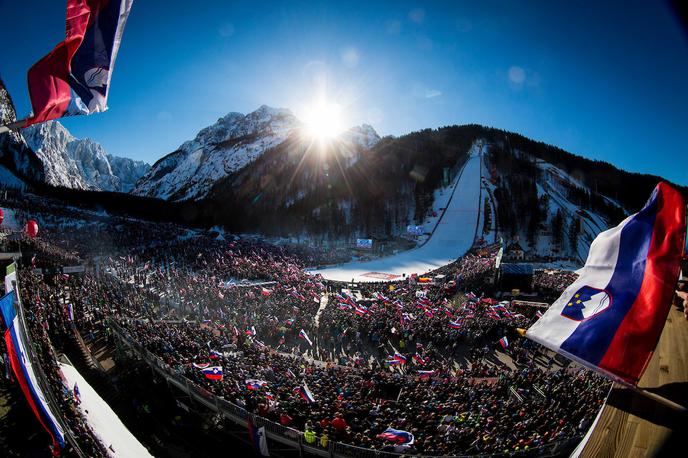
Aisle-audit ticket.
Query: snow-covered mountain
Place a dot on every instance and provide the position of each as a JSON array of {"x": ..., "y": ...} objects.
[
  {"x": 17, "y": 163},
  {"x": 80, "y": 163},
  {"x": 227, "y": 146}
]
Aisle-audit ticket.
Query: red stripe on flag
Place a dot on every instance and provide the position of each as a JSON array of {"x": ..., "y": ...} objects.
[
  {"x": 49, "y": 89},
  {"x": 19, "y": 374},
  {"x": 636, "y": 338}
]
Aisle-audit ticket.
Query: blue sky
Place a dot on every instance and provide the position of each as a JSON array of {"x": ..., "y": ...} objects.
[{"x": 603, "y": 81}]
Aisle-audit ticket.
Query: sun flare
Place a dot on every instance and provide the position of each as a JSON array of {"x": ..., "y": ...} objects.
[{"x": 323, "y": 121}]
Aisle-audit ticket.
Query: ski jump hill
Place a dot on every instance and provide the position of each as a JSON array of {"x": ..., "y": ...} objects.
[{"x": 453, "y": 236}]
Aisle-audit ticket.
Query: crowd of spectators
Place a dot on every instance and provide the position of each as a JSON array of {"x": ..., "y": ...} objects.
[{"x": 418, "y": 356}]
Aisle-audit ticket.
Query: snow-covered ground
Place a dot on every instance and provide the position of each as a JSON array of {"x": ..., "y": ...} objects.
[
  {"x": 10, "y": 221},
  {"x": 105, "y": 423},
  {"x": 453, "y": 236}
]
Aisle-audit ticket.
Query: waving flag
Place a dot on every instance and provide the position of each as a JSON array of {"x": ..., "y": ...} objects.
[
  {"x": 418, "y": 359},
  {"x": 397, "y": 436},
  {"x": 24, "y": 372},
  {"x": 201, "y": 365},
  {"x": 305, "y": 393},
  {"x": 611, "y": 317},
  {"x": 504, "y": 342},
  {"x": 74, "y": 78},
  {"x": 253, "y": 384},
  {"x": 304, "y": 336},
  {"x": 360, "y": 310},
  {"x": 77, "y": 394},
  {"x": 213, "y": 372},
  {"x": 214, "y": 354},
  {"x": 396, "y": 359},
  {"x": 455, "y": 324}
]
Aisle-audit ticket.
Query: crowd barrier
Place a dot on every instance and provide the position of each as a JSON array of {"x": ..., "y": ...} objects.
[{"x": 290, "y": 436}]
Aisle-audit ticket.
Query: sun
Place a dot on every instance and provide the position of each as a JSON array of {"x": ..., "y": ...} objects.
[{"x": 323, "y": 121}]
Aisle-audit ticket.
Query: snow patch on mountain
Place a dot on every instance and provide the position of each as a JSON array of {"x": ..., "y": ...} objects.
[
  {"x": 363, "y": 136},
  {"x": 80, "y": 163},
  {"x": 229, "y": 145}
]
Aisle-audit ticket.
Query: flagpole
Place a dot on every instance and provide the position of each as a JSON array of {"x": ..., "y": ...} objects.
[
  {"x": 657, "y": 398},
  {"x": 13, "y": 126}
]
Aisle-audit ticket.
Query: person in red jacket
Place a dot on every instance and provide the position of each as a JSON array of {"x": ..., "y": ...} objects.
[{"x": 339, "y": 423}]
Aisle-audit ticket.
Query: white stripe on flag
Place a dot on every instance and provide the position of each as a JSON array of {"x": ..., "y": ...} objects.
[{"x": 552, "y": 329}]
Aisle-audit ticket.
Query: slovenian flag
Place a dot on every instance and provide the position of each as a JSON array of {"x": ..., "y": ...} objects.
[
  {"x": 77, "y": 394},
  {"x": 504, "y": 342},
  {"x": 23, "y": 369},
  {"x": 214, "y": 354},
  {"x": 360, "y": 310},
  {"x": 258, "y": 437},
  {"x": 397, "y": 436},
  {"x": 304, "y": 336},
  {"x": 213, "y": 372},
  {"x": 74, "y": 78},
  {"x": 305, "y": 393},
  {"x": 426, "y": 373},
  {"x": 455, "y": 324},
  {"x": 610, "y": 319},
  {"x": 396, "y": 359},
  {"x": 253, "y": 384},
  {"x": 418, "y": 359}
]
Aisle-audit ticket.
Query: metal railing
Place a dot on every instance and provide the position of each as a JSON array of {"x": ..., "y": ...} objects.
[{"x": 290, "y": 436}]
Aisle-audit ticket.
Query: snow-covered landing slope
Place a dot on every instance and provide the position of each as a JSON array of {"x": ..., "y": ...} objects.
[
  {"x": 453, "y": 236},
  {"x": 105, "y": 423}
]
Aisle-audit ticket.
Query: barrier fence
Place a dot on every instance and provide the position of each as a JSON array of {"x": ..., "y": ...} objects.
[{"x": 290, "y": 436}]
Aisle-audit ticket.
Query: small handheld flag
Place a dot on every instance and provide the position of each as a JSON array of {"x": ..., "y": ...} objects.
[
  {"x": 610, "y": 319},
  {"x": 504, "y": 342},
  {"x": 397, "y": 436},
  {"x": 305, "y": 393},
  {"x": 77, "y": 394},
  {"x": 304, "y": 336},
  {"x": 253, "y": 384},
  {"x": 425, "y": 374},
  {"x": 213, "y": 372}
]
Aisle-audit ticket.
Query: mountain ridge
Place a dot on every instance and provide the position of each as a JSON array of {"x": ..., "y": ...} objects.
[
  {"x": 80, "y": 163},
  {"x": 225, "y": 147}
]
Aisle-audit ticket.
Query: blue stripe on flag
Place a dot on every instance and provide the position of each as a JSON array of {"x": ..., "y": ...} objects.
[{"x": 592, "y": 337}]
